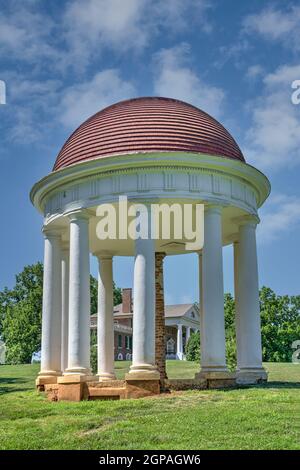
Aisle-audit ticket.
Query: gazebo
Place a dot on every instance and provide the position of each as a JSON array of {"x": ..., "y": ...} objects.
[{"x": 149, "y": 150}]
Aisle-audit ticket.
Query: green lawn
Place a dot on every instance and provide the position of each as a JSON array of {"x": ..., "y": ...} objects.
[{"x": 262, "y": 417}]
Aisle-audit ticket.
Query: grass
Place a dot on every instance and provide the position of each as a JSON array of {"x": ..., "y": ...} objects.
[{"x": 261, "y": 417}]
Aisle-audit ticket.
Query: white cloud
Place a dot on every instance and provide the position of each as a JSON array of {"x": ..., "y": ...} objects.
[
  {"x": 284, "y": 75},
  {"x": 93, "y": 25},
  {"x": 273, "y": 139},
  {"x": 276, "y": 25},
  {"x": 175, "y": 78},
  {"x": 27, "y": 35},
  {"x": 280, "y": 215},
  {"x": 254, "y": 71},
  {"x": 80, "y": 30},
  {"x": 81, "y": 101},
  {"x": 234, "y": 52}
]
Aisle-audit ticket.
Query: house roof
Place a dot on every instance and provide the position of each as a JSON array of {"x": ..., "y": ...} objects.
[{"x": 176, "y": 310}]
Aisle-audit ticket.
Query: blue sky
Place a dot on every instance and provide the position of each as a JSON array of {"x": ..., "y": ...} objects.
[{"x": 64, "y": 60}]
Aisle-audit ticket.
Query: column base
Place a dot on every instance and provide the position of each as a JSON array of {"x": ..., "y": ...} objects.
[
  {"x": 78, "y": 371},
  {"x": 251, "y": 375},
  {"x": 106, "y": 376},
  {"x": 180, "y": 356},
  {"x": 145, "y": 370}
]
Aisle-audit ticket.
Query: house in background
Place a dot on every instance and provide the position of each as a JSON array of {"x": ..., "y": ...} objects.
[{"x": 181, "y": 320}]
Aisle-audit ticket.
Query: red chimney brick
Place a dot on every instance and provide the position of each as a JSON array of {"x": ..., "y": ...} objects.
[{"x": 127, "y": 300}]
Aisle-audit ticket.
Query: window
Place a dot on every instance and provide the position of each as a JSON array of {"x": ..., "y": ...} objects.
[
  {"x": 128, "y": 342},
  {"x": 170, "y": 346},
  {"x": 119, "y": 341}
]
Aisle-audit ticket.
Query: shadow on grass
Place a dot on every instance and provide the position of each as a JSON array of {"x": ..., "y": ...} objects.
[
  {"x": 274, "y": 384},
  {"x": 6, "y": 382}
]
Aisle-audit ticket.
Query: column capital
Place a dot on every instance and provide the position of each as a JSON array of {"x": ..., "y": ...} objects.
[
  {"x": 51, "y": 232},
  {"x": 213, "y": 208},
  {"x": 79, "y": 214},
  {"x": 246, "y": 220},
  {"x": 65, "y": 246},
  {"x": 101, "y": 256}
]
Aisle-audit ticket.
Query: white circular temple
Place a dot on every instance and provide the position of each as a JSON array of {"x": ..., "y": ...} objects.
[{"x": 209, "y": 171}]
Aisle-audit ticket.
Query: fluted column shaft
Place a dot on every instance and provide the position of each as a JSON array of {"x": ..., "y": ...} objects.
[
  {"x": 51, "y": 317},
  {"x": 65, "y": 306},
  {"x": 79, "y": 296},
  {"x": 143, "y": 357},
  {"x": 105, "y": 320},
  {"x": 212, "y": 326},
  {"x": 248, "y": 328}
]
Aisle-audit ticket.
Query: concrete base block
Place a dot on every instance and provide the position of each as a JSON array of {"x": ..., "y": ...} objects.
[
  {"x": 52, "y": 391},
  {"x": 76, "y": 378},
  {"x": 142, "y": 384},
  {"x": 217, "y": 378},
  {"x": 73, "y": 391},
  {"x": 41, "y": 381},
  {"x": 185, "y": 384},
  {"x": 143, "y": 375},
  {"x": 251, "y": 376},
  {"x": 106, "y": 377}
]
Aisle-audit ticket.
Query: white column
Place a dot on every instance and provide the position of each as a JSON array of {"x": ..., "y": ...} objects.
[
  {"x": 201, "y": 305},
  {"x": 105, "y": 319},
  {"x": 51, "y": 318},
  {"x": 79, "y": 296},
  {"x": 65, "y": 306},
  {"x": 188, "y": 334},
  {"x": 143, "y": 357},
  {"x": 249, "y": 351},
  {"x": 179, "y": 352},
  {"x": 212, "y": 325}
]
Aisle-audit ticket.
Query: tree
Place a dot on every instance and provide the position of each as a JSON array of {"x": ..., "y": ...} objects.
[
  {"x": 230, "y": 337},
  {"x": 21, "y": 332},
  {"x": 192, "y": 349},
  {"x": 21, "y": 313},
  {"x": 280, "y": 325}
]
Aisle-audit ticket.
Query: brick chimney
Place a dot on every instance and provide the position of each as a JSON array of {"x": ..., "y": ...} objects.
[{"x": 127, "y": 300}]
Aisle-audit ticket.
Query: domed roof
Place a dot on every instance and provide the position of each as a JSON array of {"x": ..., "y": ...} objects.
[{"x": 144, "y": 125}]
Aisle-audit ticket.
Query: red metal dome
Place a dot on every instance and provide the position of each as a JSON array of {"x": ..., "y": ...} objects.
[{"x": 144, "y": 125}]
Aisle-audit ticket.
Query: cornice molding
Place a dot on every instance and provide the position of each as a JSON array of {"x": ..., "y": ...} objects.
[{"x": 145, "y": 164}]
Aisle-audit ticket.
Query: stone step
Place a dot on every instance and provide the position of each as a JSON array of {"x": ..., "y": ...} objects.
[
  {"x": 108, "y": 384},
  {"x": 106, "y": 393}
]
